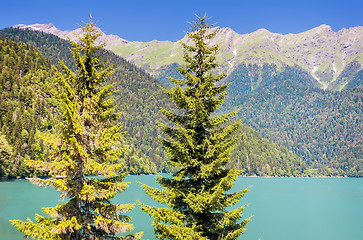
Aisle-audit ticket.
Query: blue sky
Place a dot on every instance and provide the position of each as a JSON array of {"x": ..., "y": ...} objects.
[{"x": 168, "y": 20}]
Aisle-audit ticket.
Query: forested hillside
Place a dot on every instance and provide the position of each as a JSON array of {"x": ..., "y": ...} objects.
[
  {"x": 140, "y": 98},
  {"x": 25, "y": 106},
  {"x": 323, "y": 127}
]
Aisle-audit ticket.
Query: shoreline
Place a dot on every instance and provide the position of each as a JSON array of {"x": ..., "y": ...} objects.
[{"x": 244, "y": 176}]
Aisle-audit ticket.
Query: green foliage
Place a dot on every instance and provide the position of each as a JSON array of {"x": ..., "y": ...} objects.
[
  {"x": 200, "y": 146},
  {"x": 267, "y": 95},
  {"x": 350, "y": 77},
  {"x": 84, "y": 145},
  {"x": 324, "y": 128},
  {"x": 6, "y": 155},
  {"x": 261, "y": 157},
  {"x": 135, "y": 164},
  {"x": 48, "y": 44},
  {"x": 139, "y": 96},
  {"x": 25, "y": 106},
  {"x": 253, "y": 154},
  {"x": 167, "y": 72},
  {"x": 356, "y": 81}
]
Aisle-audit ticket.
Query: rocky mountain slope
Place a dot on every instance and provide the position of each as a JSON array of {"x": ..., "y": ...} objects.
[{"x": 331, "y": 58}]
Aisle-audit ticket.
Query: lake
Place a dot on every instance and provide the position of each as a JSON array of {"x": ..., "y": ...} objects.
[{"x": 282, "y": 208}]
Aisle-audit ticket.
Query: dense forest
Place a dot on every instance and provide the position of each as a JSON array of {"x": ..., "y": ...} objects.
[
  {"x": 140, "y": 98},
  {"x": 25, "y": 106},
  {"x": 323, "y": 127},
  {"x": 28, "y": 108}
]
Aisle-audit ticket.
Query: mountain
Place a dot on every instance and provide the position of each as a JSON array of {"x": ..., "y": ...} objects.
[
  {"x": 322, "y": 53},
  {"x": 71, "y": 35},
  {"x": 276, "y": 82},
  {"x": 333, "y": 59},
  {"x": 139, "y": 99},
  {"x": 323, "y": 127}
]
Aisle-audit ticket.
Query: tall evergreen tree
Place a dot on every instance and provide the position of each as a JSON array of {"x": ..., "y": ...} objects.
[
  {"x": 83, "y": 146},
  {"x": 200, "y": 146}
]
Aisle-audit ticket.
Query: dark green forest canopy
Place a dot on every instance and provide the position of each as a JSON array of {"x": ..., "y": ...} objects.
[{"x": 323, "y": 127}]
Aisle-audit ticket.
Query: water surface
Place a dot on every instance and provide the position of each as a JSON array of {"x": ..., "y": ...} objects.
[{"x": 282, "y": 208}]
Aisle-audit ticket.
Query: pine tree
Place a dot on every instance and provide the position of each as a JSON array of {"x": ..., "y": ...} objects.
[
  {"x": 85, "y": 145},
  {"x": 200, "y": 145}
]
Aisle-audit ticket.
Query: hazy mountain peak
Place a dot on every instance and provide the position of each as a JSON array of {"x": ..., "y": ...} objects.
[
  {"x": 111, "y": 40},
  {"x": 226, "y": 31},
  {"x": 261, "y": 31},
  {"x": 36, "y": 27},
  {"x": 324, "y": 27}
]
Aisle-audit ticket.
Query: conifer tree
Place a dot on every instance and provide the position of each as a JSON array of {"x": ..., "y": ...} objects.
[
  {"x": 85, "y": 145},
  {"x": 199, "y": 145}
]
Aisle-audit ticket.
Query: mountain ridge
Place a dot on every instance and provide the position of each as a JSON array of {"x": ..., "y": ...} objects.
[
  {"x": 320, "y": 51},
  {"x": 71, "y": 34}
]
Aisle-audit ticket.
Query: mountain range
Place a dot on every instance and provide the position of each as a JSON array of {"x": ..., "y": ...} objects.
[
  {"x": 139, "y": 97},
  {"x": 302, "y": 92},
  {"x": 333, "y": 59}
]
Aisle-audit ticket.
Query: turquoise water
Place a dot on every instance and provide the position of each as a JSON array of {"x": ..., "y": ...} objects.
[{"x": 282, "y": 208}]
